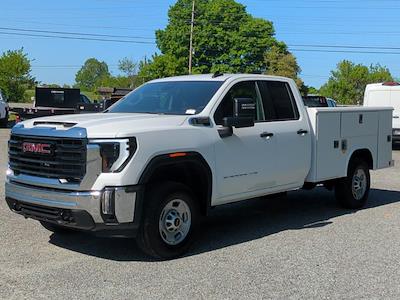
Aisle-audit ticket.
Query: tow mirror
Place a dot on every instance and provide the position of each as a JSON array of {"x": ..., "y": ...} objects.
[{"x": 244, "y": 111}]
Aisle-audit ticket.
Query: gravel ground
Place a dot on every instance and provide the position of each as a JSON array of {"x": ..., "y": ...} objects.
[{"x": 302, "y": 247}]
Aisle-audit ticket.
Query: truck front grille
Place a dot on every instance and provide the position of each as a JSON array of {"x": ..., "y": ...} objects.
[{"x": 62, "y": 158}]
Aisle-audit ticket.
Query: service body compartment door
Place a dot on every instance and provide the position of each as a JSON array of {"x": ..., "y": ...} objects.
[
  {"x": 356, "y": 124},
  {"x": 384, "y": 142},
  {"x": 330, "y": 160}
]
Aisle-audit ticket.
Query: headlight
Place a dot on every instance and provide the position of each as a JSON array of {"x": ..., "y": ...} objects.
[{"x": 115, "y": 153}]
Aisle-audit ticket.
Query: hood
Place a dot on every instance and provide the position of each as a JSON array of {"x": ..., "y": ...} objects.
[{"x": 108, "y": 125}]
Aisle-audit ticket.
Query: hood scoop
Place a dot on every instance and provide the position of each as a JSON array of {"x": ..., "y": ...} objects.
[{"x": 52, "y": 124}]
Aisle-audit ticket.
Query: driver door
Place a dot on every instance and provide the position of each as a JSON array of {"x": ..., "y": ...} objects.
[{"x": 245, "y": 161}]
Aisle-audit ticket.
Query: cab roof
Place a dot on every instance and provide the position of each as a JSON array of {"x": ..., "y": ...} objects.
[{"x": 219, "y": 77}]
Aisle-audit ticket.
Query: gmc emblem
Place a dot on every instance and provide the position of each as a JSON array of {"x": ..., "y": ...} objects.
[{"x": 36, "y": 148}]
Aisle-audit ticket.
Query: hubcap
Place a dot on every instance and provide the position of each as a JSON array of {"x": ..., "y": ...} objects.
[
  {"x": 359, "y": 184},
  {"x": 175, "y": 221}
]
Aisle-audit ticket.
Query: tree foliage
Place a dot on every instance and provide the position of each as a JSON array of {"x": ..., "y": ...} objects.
[
  {"x": 347, "y": 83},
  {"x": 226, "y": 39},
  {"x": 129, "y": 68},
  {"x": 92, "y": 74},
  {"x": 280, "y": 62},
  {"x": 15, "y": 74}
]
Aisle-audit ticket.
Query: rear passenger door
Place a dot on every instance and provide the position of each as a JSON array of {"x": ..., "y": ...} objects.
[{"x": 291, "y": 133}]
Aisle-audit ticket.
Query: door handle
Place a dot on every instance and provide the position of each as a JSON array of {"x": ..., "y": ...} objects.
[
  {"x": 266, "y": 135},
  {"x": 302, "y": 132}
]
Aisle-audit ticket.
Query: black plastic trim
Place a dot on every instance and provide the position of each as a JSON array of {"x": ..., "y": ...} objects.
[{"x": 165, "y": 159}]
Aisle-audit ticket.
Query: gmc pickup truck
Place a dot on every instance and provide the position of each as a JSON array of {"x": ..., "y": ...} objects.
[{"x": 163, "y": 156}]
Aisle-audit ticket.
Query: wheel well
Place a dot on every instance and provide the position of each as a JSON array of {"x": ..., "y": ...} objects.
[
  {"x": 365, "y": 155},
  {"x": 192, "y": 171}
]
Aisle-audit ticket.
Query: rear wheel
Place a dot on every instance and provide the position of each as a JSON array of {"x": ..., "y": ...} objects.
[
  {"x": 169, "y": 221},
  {"x": 56, "y": 228},
  {"x": 353, "y": 191}
]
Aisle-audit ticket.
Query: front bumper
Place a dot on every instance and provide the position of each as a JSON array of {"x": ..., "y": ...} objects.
[{"x": 78, "y": 210}]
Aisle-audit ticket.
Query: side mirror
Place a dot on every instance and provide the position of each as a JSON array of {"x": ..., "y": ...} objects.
[
  {"x": 238, "y": 122},
  {"x": 244, "y": 111}
]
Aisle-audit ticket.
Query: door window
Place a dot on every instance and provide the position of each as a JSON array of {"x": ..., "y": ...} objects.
[
  {"x": 245, "y": 89},
  {"x": 278, "y": 101}
]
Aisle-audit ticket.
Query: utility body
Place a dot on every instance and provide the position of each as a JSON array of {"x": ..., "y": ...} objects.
[{"x": 156, "y": 161}]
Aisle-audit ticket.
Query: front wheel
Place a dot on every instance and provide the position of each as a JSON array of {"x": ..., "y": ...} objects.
[
  {"x": 353, "y": 190},
  {"x": 169, "y": 220}
]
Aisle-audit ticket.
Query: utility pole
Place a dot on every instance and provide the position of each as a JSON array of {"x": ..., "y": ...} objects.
[{"x": 191, "y": 39}]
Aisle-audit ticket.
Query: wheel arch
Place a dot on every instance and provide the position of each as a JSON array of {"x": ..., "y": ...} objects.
[
  {"x": 364, "y": 154},
  {"x": 189, "y": 168}
]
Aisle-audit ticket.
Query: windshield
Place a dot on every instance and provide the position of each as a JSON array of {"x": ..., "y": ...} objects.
[{"x": 174, "y": 97}]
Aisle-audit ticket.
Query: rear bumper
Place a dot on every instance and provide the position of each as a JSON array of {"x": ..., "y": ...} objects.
[{"x": 78, "y": 210}]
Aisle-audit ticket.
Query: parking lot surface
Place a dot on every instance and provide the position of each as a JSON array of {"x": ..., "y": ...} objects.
[{"x": 300, "y": 247}]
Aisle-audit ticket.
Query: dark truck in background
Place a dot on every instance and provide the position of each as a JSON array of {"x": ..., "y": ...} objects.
[{"x": 57, "y": 101}]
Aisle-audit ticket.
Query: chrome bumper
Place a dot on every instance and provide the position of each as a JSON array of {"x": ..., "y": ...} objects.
[{"x": 86, "y": 201}]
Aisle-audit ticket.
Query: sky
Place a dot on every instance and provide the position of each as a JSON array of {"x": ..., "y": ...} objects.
[{"x": 320, "y": 33}]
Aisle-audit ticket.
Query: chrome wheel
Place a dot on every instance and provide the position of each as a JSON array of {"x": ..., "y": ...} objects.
[
  {"x": 175, "y": 221},
  {"x": 359, "y": 184}
]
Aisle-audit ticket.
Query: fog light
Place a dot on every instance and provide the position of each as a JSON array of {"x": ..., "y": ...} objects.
[{"x": 108, "y": 202}]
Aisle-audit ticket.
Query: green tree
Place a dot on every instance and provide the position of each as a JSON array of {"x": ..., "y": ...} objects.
[
  {"x": 347, "y": 83},
  {"x": 280, "y": 62},
  {"x": 92, "y": 74},
  {"x": 311, "y": 90},
  {"x": 15, "y": 74},
  {"x": 226, "y": 39},
  {"x": 129, "y": 68},
  {"x": 162, "y": 66},
  {"x": 117, "y": 82}
]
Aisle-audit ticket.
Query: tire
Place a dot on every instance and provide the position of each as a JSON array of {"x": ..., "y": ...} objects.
[
  {"x": 352, "y": 191},
  {"x": 169, "y": 221},
  {"x": 56, "y": 228}
]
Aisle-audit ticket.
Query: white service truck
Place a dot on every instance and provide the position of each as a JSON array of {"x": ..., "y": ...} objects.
[
  {"x": 166, "y": 154},
  {"x": 385, "y": 94},
  {"x": 3, "y": 111}
]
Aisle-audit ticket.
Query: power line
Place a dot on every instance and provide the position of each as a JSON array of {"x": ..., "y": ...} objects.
[
  {"x": 343, "y": 51},
  {"x": 77, "y": 38},
  {"x": 74, "y": 33},
  {"x": 344, "y": 46}
]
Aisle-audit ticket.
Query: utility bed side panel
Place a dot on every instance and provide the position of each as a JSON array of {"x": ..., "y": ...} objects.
[{"x": 339, "y": 132}]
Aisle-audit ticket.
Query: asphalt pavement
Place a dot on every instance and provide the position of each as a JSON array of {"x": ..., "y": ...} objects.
[{"x": 300, "y": 247}]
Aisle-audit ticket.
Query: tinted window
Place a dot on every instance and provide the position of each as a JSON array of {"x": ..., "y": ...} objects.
[
  {"x": 245, "y": 89},
  {"x": 278, "y": 101},
  {"x": 315, "y": 101},
  {"x": 85, "y": 99},
  {"x": 175, "y": 97}
]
